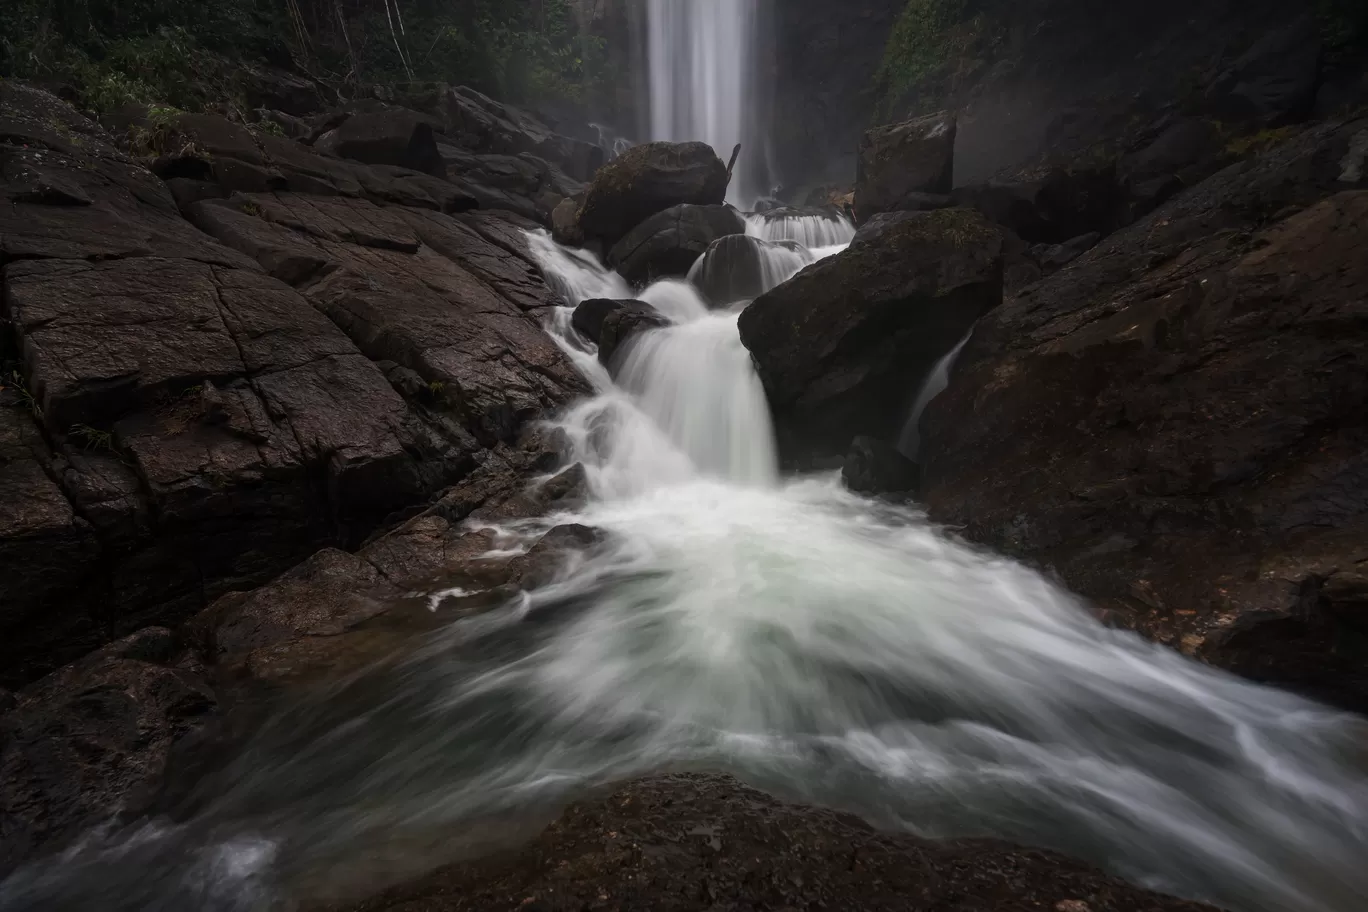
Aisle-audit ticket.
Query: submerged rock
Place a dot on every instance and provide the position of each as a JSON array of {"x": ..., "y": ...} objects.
[
  {"x": 841, "y": 346},
  {"x": 624, "y": 323},
  {"x": 670, "y": 242},
  {"x": 741, "y": 268},
  {"x": 648, "y": 179},
  {"x": 902, "y": 162}
]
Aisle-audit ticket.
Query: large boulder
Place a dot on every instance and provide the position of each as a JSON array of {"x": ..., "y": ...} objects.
[
  {"x": 589, "y": 315},
  {"x": 1174, "y": 423},
  {"x": 670, "y": 242},
  {"x": 1054, "y": 208},
  {"x": 393, "y": 137},
  {"x": 842, "y": 347},
  {"x": 899, "y": 163},
  {"x": 648, "y": 179}
]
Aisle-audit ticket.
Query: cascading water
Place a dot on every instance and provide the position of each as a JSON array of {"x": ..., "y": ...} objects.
[
  {"x": 909, "y": 439},
  {"x": 700, "y": 54},
  {"x": 827, "y": 647}
]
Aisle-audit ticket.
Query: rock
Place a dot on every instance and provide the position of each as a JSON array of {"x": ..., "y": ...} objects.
[
  {"x": 279, "y": 90},
  {"x": 740, "y": 268},
  {"x": 481, "y": 125},
  {"x": 714, "y": 824},
  {"x": 621, "y": 324},
  {"x": 565, "y": 229},
  {"x": 549, "y": 556},
  {"x": 1186, "y": 143},
  {"x": 93, "y": 740},
  {"x": 841, "y": 346},
  {"x": 648, "y": 179},
  {"x": 395, "y": 137},
  {"x": 589, "y": 316},
  {"x": 1275, "y": 81},
  {"x": 208, "y": 425},
  {"x": 1059, "y": 206},
  {"x": 901, "y": 162},
  {"x": 1174, "y": 421},
  {"x": 670, "y": 242},
  {"x": 875, "y": 467},
  {"x": 1056, "y": 256}
]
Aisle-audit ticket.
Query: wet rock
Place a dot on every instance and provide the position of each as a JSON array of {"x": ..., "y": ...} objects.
[
  {"x": 900, "y": 163},
  {"x": 670, "y": 242},
  {"x": 480, "y": 124},
  {"x": 280, "y": 90},
  {"x": 691, "y": 842},
  {"x": 565, "y": 229},
  {"x": 1055, "y": 208},
  {"x": 395, "y": 137},
  {"x": 1174, "y": 421},
  {"x": 1051, "y": 257},
  {"x": 740, "y": 268},
  {"x": 621, "y": 324},
  {"x": 648, "y": 179},
  {"x": 589, "y": 316},
  {"x": 840, "y": 346},
  {"x": 92, "y": 740},
  {"x": 1275, "y": 81},
  {"x": 549, "y": 556},
  {"x": 875, "y": 467}
]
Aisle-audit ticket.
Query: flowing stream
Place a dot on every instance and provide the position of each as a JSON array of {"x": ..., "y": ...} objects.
[{"x": 826, "y": 647}]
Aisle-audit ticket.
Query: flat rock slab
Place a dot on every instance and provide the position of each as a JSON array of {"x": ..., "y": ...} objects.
[{"x": 695, "y": 842}]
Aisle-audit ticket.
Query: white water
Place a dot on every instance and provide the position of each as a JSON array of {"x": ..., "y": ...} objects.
[
  {"x": 813, "y": 231},
  {"x": 830, "y": 648},
  {"x": 701, "y": 85},
  {"x": 909, "y": 440}
]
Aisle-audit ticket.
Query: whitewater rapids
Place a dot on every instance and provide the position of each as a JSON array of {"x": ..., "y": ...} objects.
[{"x": 824, "y": 646}]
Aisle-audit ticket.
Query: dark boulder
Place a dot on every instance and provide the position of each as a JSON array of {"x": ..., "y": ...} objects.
[
  {"x": 1063, "y": 204},
  {"x": 393, "y": 137},
  {"x": 900, "y": 162},
  {"x": 623, "y": 324},
  {"x": 875, "y": 467},
  {"x": 93, "y": 739},
  {"x": 589, "y": 316},
  {"x": 1275, "y": 81},
  {"x": 670, "y": 242},
  {"x": 565, "y": 227},
  {"x": 1175, "y": 421},
  {"x": 648, "y": 179},
  {"x": 841, "y": 346},
  {"x": 279, "y": 90},
  {"x": 741, "y": 268}
]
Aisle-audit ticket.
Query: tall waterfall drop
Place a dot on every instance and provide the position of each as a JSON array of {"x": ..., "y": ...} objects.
[{"x": 701, "y": 55}]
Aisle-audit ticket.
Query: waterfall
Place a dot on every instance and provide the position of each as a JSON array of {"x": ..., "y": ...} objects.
[
  {"x": 701, "y": 56},
  {"x": 909, "y": 440}
]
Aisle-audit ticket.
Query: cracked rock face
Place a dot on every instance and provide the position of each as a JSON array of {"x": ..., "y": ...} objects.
[{"x": 189, "y": 408}]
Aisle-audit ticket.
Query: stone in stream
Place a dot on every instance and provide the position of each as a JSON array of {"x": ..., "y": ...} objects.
[
  {"x": 740, "y": 268},
  {"x": 670, "y": 242},
  {"x": 648, "y": 179},
  {"x": 875, "y": 467},
  {"x": 840, "y": 346}
]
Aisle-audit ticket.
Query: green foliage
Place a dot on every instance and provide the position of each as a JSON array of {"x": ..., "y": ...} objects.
[
  {"x": 180, "y": 52},
  {"x": 91, "y": 438},
  {"x": 921, "y": 44}
]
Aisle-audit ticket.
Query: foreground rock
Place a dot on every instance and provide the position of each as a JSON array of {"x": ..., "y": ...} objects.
[
  {"x": 901, "y": 163},
  {"x": 1173, "y": 423},
  {"x": 189, "y": 412},
  {"x": 668, "y": 243},
  {"x": 648, "y": 179},
  {"x": 843, "y": 346},
  {"x": 740, "y": 268},
  {"x": 707, "y": 842},
  {"x": 875, "y": 467}
]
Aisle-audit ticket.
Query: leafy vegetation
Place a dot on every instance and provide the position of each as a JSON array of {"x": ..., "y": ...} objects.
[
  {"x": 181, "y": 53},
  {"x": 927, "y": 38}
]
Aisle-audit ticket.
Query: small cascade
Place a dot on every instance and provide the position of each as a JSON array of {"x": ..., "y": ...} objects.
[
  {"x": 909, "y": 441},
  {"x": 816, "y": 230},
  {"x": 740, "y": 267}
]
